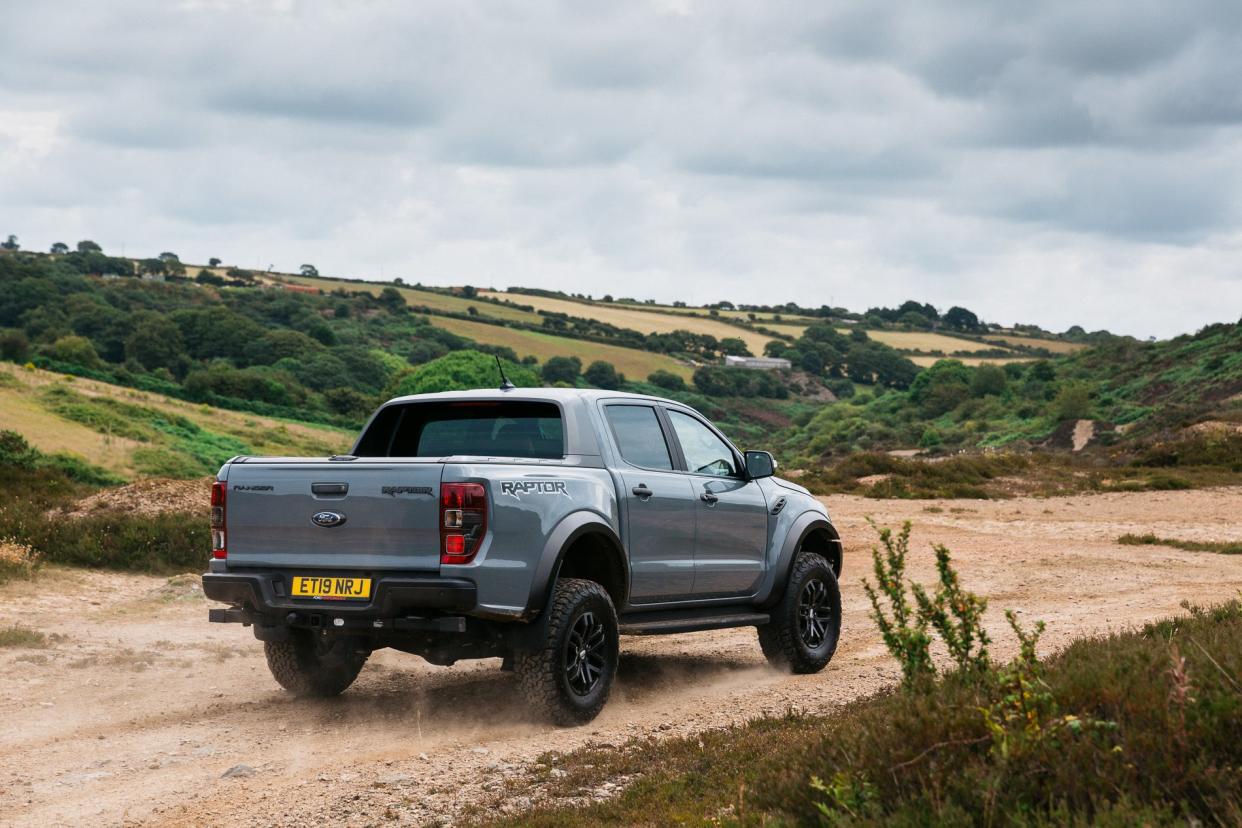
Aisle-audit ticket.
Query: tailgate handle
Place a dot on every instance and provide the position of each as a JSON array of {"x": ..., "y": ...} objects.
[{"x": 330, "y": 488}]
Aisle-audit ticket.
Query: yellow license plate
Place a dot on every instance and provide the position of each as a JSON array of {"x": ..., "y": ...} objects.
[{"x": 340, "y": 589}]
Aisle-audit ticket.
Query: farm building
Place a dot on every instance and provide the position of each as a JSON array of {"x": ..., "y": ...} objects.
[{"x": 758, "y": 363}]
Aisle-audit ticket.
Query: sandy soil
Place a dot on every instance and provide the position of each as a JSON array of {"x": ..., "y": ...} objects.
[{"x": 137, "y": 713}]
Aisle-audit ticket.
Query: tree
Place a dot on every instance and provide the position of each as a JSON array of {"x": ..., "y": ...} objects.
[
  {"x": 989, "y": 380},
  {"x": 735, "y": 346},
  {"x": 667, "y": 380},
  {"x": 169, "y": 256},
  {"x": 213, "y": 262},
  {"x": 391, "y": 299},
  {"x": 309, "y": 270},
  {"x": 14, "y": 346},
  {"x": 59, "y": 248},
  {"x": 76, "y": 350},
  {"x": 562, "y": 369},
  {"x": 961, "y": 319},
  {"x": 602, "y": 374},
  {"x": 155, "y": 343},
  {"x": 10, "y": 243},
  {"x": 469, "y": 292},
  {"x": 1073, "y": 402},
  {"x": 460, "y": 370},
  {"x": 154, "y": 266},
  {"x": 88, "y": 246}
]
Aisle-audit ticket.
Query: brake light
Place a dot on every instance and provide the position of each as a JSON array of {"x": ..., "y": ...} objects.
[
  {"x": 219, "y": 549},
  {"x": 463, "y": 521}
]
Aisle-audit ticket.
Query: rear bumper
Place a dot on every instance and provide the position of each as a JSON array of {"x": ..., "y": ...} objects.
[{"x": 395, "y": 596}]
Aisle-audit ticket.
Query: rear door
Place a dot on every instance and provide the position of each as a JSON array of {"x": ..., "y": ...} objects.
[
  {"x": 732, "y": 512},
  {"x": 388, "y": 514},
  {"x": 660, "y": 506}
]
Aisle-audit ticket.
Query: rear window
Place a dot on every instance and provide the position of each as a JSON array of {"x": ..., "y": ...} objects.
[{"x": 484, "y": 428}]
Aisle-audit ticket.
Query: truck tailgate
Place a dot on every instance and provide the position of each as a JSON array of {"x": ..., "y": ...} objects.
[{"x": 390, "y": 514}]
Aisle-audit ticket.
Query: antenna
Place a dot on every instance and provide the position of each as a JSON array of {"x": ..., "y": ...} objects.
[{"x": 505, "y": 385}]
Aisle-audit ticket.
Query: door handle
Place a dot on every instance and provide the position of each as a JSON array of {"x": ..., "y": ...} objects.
[
  {"x": 709, "y": 498},
  {"x": 642, "y": 491}
]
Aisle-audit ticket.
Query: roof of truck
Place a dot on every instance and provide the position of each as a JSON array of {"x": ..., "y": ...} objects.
[{"x": 550, "y": 394}]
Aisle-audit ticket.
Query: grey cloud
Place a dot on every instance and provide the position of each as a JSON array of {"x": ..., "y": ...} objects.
[{"x": 858, "y": 149}]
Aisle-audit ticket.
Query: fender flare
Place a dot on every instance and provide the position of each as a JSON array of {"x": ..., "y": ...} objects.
[
  {"x": 569, "y": 530},
  {"x": 805, "y": 524}
]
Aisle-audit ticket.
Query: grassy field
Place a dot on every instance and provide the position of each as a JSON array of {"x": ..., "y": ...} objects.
[
  {"x": 131, "y": 433},
  {"x": 642, "y": 321},
  {"x": 1056, "y": 346},
  {"x": 928, "y": 361},
  {"x": 629, "y": 361},
  {"x": 430, "y": 299}
]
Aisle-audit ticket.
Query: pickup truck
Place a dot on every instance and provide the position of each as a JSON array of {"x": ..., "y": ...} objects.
[{"x": 532, "y": 525}]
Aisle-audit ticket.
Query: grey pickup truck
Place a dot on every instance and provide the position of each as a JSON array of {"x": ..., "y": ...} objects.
[{"x": 532, "y": 525}]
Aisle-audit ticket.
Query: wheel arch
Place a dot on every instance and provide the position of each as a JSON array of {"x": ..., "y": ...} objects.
[
  {"x": 584, "y": 546},
  {"x": 813, "y": 531}
]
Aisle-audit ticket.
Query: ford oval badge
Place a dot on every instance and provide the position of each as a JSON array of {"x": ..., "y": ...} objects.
[{"x": 327, "y": 519}]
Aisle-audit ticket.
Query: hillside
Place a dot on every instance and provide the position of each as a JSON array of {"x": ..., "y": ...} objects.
[
  {"x": 1137, "y": 398},
  {"x": 278, "y": 348},
  {"x": 131, "y": 433}
]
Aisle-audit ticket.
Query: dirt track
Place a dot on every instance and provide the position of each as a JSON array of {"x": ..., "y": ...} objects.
[{"x": 134, "y": 716}]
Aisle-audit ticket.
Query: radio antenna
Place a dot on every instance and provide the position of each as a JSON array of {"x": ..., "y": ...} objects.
[{"x": 505, "y": 385}]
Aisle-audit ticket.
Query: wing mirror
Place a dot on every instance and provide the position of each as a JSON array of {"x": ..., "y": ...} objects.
[{"x": 760, "y": 464}]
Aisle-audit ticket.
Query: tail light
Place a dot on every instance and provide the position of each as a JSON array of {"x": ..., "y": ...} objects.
[
  {"x": 219, "y": 549},
  {"x": 463, "y": 521}
]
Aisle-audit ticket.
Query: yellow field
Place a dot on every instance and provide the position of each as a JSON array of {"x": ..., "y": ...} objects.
[
  {"x": 928, "y": 361},
  {"x": 633, "y": 363},
  {"x": 21, "y": 410},
  {"x": 1057, "y": 346},
  {"x": 642, "y": 321},
  {"x": 427, "y": 298}
]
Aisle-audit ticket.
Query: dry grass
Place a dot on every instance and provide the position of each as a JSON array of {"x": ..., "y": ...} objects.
[
  {"x": 633, "y": 363},
  {"x": 430, "y": 299},
  {"x": 1057, "y": 346},
  {"x": 23, "y": 411},
  {"x": 22, "y": 637},
  {"x": 927, "y": 361},
  {"x": 643, "y": 321}
]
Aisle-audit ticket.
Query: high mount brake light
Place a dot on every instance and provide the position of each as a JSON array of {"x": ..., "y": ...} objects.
[
  {"x": 219, "y": 549},
  {"x": 463, "y": 521}
]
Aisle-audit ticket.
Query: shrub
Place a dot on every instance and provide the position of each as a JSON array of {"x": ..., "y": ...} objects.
[
  {"x": 561, "y": 369},
  {"x": 667, "y": 380},
  {"x": 17, "y": 560},
  {"x": 602, "y": 374},
  {"x": 461, "y": 370}
]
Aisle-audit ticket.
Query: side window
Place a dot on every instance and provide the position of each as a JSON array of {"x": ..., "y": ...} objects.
[
  {"x": 705, "y": 452},
  {"x": 639, "y": 436}
]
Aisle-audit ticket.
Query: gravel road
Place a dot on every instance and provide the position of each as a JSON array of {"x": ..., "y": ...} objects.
[{"x": 137, "y": 709}]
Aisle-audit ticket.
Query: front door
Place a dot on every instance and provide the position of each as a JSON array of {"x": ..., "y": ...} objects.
[
  {"x": 730, "y": 546},
  {"x": 660, "y": 507}
]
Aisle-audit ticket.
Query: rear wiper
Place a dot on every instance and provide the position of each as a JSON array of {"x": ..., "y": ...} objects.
[{"x": 342, "y": 458}]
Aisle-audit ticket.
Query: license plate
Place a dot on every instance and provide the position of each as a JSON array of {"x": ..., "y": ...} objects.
[{"x": 336, "y": 589}]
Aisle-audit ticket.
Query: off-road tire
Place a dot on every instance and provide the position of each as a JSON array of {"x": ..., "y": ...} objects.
[
  {"x": 311, "y": 664},
  {"x": 543, "y": 666},
  {"x": 784, "y": 638}
]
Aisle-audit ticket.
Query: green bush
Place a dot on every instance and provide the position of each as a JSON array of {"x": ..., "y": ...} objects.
[
  {"x": 1130, "y": 728},
  {"x": 461, "y": 371},
  {"x": 667, "y": 380}
]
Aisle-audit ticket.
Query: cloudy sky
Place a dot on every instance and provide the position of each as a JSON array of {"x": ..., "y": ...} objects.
[{"x": 1056, "y": 163}]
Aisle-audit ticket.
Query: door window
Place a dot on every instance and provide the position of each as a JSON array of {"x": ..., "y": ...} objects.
[
  {"x": 639, "y": 436},
  {"x": 705, "y": 452}
]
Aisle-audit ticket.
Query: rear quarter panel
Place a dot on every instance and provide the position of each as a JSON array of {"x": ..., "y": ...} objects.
[{"x": 526, "y": 504}]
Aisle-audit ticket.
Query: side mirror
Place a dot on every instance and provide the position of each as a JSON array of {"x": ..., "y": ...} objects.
[{"x": 760, "y": 464}]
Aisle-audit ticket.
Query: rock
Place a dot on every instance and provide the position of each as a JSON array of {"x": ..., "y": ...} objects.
[{"x": 238, "y": 770}]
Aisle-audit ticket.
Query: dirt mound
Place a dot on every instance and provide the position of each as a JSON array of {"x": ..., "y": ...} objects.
[{"x": 149, "y": 497}]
